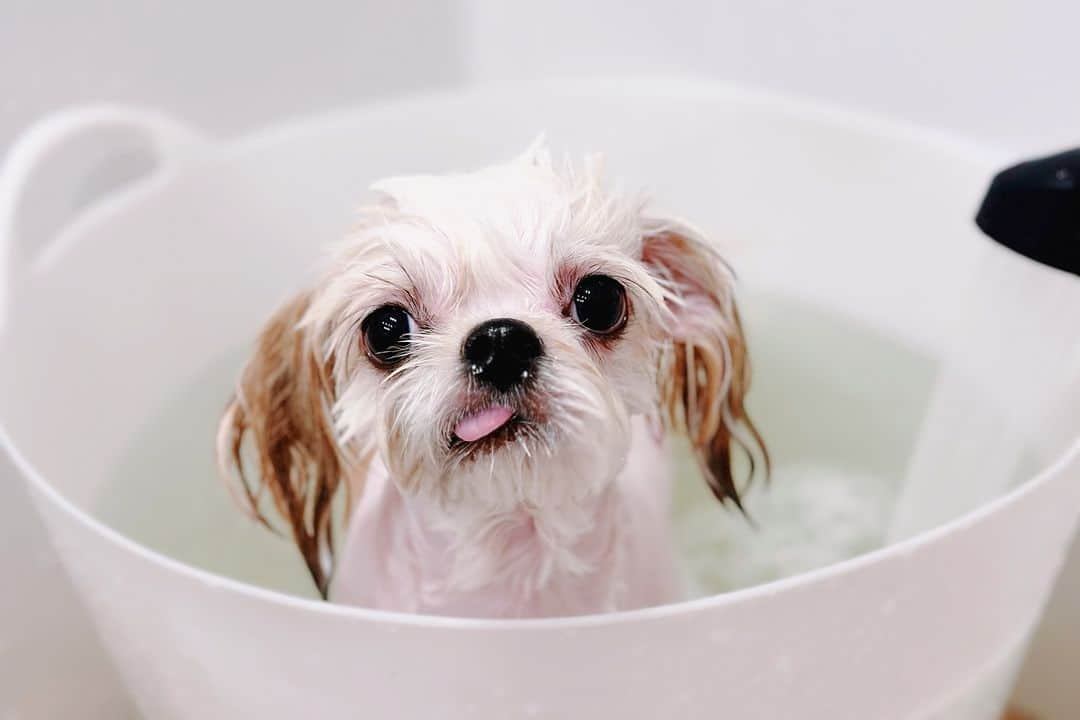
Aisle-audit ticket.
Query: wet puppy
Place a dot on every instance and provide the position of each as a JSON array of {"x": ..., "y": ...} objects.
[{"x": 490, "y": 368}]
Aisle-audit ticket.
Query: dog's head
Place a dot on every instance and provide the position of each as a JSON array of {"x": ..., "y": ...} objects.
[{"x": 488, "y": 337}]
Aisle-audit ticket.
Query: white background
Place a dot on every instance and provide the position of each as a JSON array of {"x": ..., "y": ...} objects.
[{"x": 1004, "y": 72}]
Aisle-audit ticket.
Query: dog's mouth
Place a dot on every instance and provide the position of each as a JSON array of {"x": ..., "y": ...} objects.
[
  {"x": 478, "y": 425},
  {"x": 482, "y": 431}
]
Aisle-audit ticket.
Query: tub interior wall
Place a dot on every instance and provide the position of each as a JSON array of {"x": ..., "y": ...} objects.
[{"x": 829, "y": 431}]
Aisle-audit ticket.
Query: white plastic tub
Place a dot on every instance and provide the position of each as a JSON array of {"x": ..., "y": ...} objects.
[{"x": 140, "y": 254}]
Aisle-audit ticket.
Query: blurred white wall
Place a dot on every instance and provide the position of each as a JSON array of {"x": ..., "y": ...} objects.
[
  {"x": 223, "y": 67},
  {"x": 1003, "y": 71}
]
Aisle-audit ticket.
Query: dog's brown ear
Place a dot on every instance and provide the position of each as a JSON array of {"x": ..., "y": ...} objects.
[
  {"x": 705, "y": 373},
  {"x": 277, "y": 434}
]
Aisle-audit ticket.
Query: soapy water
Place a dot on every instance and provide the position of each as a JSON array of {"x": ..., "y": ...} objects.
[{"x": 839, "y": 404}]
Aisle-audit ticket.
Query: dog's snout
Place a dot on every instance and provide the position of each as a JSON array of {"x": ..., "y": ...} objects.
[{"x": 502, "y": 353}]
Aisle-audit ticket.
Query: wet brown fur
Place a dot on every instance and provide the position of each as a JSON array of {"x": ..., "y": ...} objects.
[
  {"x": 694, "y": 369},
  {"x": 282, "y": 410}
]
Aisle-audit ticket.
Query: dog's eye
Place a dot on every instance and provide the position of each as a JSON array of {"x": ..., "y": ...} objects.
[
  {"x": 386, "y": 334},
  {"x": 599, "y": 304}
]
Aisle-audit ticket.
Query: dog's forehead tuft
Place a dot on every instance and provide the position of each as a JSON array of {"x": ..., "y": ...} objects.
[
  {"x": 509, "y": 225},
  {"x": 492, "y": 196}
]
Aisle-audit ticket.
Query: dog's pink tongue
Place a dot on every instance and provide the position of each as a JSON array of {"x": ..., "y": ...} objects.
[{"x": 483, "y": 423}]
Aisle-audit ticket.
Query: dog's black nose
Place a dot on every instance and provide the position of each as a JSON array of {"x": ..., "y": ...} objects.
[{"x": 502, "y": 353}]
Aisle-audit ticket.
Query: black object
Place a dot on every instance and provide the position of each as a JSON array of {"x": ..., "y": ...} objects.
[
  {"x": 1034, "y": 209},
  {"x": 502, "y": 353}
]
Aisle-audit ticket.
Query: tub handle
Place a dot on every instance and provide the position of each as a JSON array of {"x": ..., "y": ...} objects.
[{"x": 70, "y": 161}]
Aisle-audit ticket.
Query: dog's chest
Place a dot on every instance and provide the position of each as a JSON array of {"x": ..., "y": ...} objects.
[{"x": 612, "y": 553}]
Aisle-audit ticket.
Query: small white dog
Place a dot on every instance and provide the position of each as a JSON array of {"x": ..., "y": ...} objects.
[{"x": 490, "y": 366}]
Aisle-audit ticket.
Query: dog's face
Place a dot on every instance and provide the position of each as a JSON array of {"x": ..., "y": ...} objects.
[
  {"x": 488, "y": 337},
  {"x": 494, "y": 333}
]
